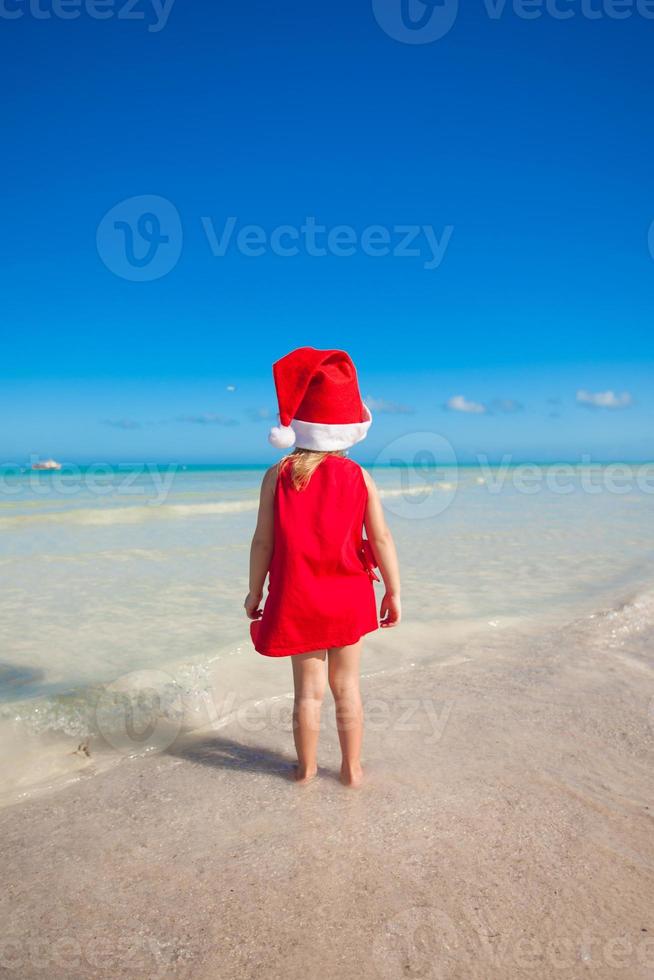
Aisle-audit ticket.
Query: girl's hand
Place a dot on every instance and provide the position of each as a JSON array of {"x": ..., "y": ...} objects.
[
  {"x": 391, "y": 611},
  {"x": 251, "y": 606}
]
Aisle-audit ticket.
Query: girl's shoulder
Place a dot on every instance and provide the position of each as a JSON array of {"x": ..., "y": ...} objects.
[{"x": 269, "y": 481}]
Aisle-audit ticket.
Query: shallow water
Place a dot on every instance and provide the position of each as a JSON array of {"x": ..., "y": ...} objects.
[{"x": 136, "y": 578}]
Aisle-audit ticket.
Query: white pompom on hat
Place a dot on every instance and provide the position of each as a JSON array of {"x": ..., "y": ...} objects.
[
  {"x": 281, "y": 436},
  {"x": 320, "y": 405}
]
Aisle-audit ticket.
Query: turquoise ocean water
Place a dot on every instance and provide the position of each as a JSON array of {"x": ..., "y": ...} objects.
[{"x": 111, "y": 571}]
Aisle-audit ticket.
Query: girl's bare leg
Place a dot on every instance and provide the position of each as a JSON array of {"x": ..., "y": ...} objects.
[
  {"x": 309, "y": 681},
  {"x": 344, "y": 684}
]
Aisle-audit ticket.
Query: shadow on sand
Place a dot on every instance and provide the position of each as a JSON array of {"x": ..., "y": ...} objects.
[{"x": 225, "y": 753}]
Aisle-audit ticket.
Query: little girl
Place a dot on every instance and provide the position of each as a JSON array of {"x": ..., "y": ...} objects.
[{"x": 313, "y": 507}]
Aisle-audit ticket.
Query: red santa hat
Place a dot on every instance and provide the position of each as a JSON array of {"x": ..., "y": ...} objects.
[{"x": 320, "y": 406}]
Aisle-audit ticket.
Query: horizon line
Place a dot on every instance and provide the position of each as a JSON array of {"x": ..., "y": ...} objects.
[{"x": 24, "y": 467}]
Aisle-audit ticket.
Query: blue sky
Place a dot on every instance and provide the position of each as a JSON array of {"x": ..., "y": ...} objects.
[{"x": 522, "y": 148}]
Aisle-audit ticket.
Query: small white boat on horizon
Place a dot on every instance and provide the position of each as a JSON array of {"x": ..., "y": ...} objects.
[{"x": 47, "y": 464}]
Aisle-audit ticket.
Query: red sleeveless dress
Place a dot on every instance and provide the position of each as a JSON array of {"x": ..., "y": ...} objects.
[{"x": 320, "y": 592}]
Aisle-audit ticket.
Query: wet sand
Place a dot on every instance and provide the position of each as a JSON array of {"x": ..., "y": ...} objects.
[{"x": 505, "y": 830}]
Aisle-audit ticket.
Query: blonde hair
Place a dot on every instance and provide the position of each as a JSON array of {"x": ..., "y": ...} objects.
[{"x": 304, "y": 463}]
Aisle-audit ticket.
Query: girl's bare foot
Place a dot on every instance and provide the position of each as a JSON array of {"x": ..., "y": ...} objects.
[
  {"x": 351, "y": 776},
  {"x": 302, "y": 775}
]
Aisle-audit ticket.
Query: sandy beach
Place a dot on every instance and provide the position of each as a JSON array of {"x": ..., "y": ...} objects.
[
  {"x": 279, "y": 279},
  {"x": 504, "y": 830}
]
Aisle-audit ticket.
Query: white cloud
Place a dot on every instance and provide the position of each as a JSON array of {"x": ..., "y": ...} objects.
[
  {"x": 386, "y": 407},
  {"x": 459, "y": 403},
  {"x": 230, "y": 388},
  {"x": 122, "y": 423},
  {"x": 208, "y": 418},
  {"x": 260, "y": 414},
  {"x": 507, "y": 405},
  {"x": 603, "y": 399}
]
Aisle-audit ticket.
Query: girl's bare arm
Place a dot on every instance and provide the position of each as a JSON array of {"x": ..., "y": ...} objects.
[
  {"x": 383, "y": 546},
  {"x": 262, "y": 544}
]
